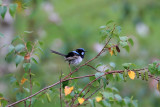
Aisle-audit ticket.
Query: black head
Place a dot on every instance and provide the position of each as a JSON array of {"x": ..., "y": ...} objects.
[{"x": 81, "y": 52}]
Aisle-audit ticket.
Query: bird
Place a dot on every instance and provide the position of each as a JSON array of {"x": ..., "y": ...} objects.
[{"x": 73, "y": 57}]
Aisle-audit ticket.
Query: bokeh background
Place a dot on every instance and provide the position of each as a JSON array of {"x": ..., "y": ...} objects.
[{"x": 64, "y": 25}]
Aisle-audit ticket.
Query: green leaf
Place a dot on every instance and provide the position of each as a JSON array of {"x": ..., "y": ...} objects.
[
  {"x": 118, "y": 29},
  {"x": 1, "y": 35},
  {"x": 146, "y": 75},
  {"x": 127, "y": 48},
  {"x": 123, "y": 38},
  {"x": 19, "y": 47},
  {"x": 27, "y": 66},
  {"x": 3, "y": 10},
  {"x": 20, "y": 96},
  {"x": 98, "y": 65},
  {"x": 14, "y": 39},
  {"x": 18, "y": 59},
  {"x": 48, "y": 97},
  {"x": 127, "y": 65},
  {"x": 104, "y": 82},
  {"x": 126, "y": 100},
  {"x": 34, "y": 60},
  {"x": 131, "y": 41},
  {"x": 40, "y": 43},
  {"x": 142, "y": 75},
  {"x": 110, "y": 21},
  {"x": 11, "y": 48},
  {"x": 123, "y": 44},
  {"x": 12, "y": 9},
  {"x": 92, "y": 102},
  {"x": 99, "y": 74},
  {"x": 118, "y": 97},
  {"x": 134, "y": 103},
  {"x": 119, "y": 77},
  {"x": 108, "y": 95},
  {"x": 96, "y": 83},
  {"x": 109, "y": 77},
  {"x": 29, "y": 45},
  {"x": 106, "y": 103}
]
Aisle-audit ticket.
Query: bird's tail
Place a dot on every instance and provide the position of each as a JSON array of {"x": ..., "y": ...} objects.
[{"x": 57, "y": 53}]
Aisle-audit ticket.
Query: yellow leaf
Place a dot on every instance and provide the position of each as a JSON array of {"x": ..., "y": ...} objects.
[
  {"x": 68, "y": 90},
  {"x": 98, "y": 98},
  {"x": 23, "y": 81},
  {"x": 110, "y": 51},
  {"x": 81, "y": 100},
  {"x": 0, "y": 104},
  {"x": 131, "y": 74},
  {"x": 1, "y": 98}
]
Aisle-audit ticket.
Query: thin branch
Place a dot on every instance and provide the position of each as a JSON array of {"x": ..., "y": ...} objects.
[
  {"x": 48, "y": 87},
  {"x": 92, "y": 67},
  {"x": 25, "y": 105}
]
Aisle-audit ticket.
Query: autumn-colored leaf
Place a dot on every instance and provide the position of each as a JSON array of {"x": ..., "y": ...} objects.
[
  {"x": 98, "y": 98},
  {"x": 117, "y": 48},
  {"x": 27, "y": 56},
  {"x": 23, "y": 81},
  {"x": 81, "y": 100},
  {"x": 68, "y": 90},
  {"x": 110, "y": 51},
  {"x": 131, "y": 74}
]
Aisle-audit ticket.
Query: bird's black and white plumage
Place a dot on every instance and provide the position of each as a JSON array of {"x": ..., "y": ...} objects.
[{"x": 74, "y": 57}]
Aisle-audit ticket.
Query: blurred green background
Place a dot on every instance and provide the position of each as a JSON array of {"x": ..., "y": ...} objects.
[{"x": 64, "y": 25}]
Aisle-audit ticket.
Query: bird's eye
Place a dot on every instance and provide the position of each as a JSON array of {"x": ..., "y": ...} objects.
[{"x": 82, "y": 53}]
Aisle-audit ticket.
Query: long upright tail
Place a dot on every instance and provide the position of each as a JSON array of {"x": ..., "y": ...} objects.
[{"x": 57, "y": 53}]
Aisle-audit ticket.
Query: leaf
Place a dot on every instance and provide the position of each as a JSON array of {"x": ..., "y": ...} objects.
[
  {"x": 96, "y": 83},
  {"x": 119, "y": 77},
  {"x": 137, "y": 74},
  {"x": 29, "y": 45},
  {"x": 19, "y": 47},
  {"x": 65, "y": 83},
  {"x": 98, "y": 98},
  {"x": 106, "y": 103},
  {"x": 81, "y": 100},
  {"x": 23, "y": 80},
  {"x": 1, "y": 35},
  {"x": 14, "y": 39},
  {"x": 131, "y": 74},
  {"x": 40, "y": 43},
  {"x": 118, "y": 97},
  {"x": 92, "y": 102},
  {"x": 127, "y": 48},
  {"x": 109, "y": 77},
  {"x": 98, "y": 65},
  {"x": 117, "y": 48},
  {"x": 3, "y": 10},
  {"x": 146, "y": 75},
  {"x": 68, "y": 90},
  {"x": 34, "y": 60},
  {"x": 123, "y": 38},
  {"x": 11, "y": 48},
  {"x": 134, "y": 103},
  {"x": 142, "y": 75},
  {"x": 20, "y": 96},
  {"x": 123, "y": 44},
  {"x": 27, "y": 66},
  {"x": 99, "y": 74},
  {"x": 108, "y": 95},
  {"x": 127, "y": 65},
  {"x": 18, "y": 59},
  {"x": 12, "y": 9},
  {"x": 110, "y": 51},
  {"x": 110, "y": 21},
  {"x": 1, "y": 95},
  {"x": 104, "y": 82},
  {"x": 131, "y": 41},
  {"x": 118, "y": 29},
  {"x": 48, "y": 97}
]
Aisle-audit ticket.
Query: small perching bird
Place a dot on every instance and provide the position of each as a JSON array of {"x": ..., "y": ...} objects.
[{"x": 73, "y": 57}]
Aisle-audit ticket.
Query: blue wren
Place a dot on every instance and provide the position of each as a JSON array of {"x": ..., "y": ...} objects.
[{"x": 74, "y": 57}]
